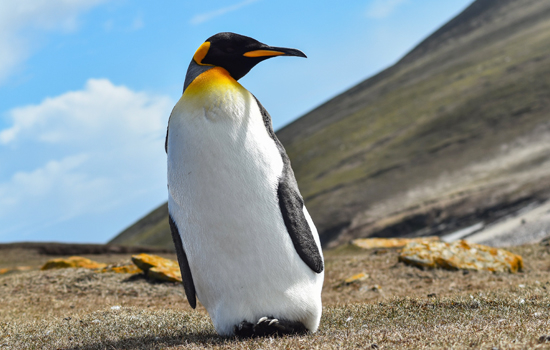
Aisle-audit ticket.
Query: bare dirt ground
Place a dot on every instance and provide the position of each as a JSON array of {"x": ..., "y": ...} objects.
[{"x": 397, "y": 306}]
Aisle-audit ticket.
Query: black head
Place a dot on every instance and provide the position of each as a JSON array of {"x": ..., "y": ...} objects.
[{"x": 238, "y": 54}]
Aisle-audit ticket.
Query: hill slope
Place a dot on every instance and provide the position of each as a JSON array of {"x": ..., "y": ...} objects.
[
  {"x": 455, "y": 132},
  {"x": 151, "y": 230}
]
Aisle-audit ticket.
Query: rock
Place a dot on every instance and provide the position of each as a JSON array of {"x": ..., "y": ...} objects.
[
  {"x": 126, "y": 268},
  {"x": 158, "y": 268},
  {"x": 168, "y": 274},
  {"x": 460, "y": 255},
  {"x": 356, "y": 278},
  {"x": 147, "y": 261},
  {"x": 370, "y": 243},
  {"x": 16, "y": 269},
  {"x": 376, "y": 288},
  {"x": 544, "y": 339},
  {"x": 73, "y": 261}
]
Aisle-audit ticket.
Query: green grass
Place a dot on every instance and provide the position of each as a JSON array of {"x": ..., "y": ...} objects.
[{"x": 454, "y": 116}]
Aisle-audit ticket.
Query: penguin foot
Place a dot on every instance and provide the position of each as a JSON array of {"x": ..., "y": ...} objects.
[
  {"x": 267, "y": 326},
  {"x": 244, "y": 329}
]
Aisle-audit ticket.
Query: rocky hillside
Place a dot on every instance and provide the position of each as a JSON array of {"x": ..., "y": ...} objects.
[{"x": 456, "y": 132}]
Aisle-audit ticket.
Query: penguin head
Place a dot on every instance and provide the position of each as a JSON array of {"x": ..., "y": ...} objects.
[{"x": 238, "y": 54}]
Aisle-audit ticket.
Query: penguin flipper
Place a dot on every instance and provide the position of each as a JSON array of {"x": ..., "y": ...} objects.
[
  {"x": 292, "y": 209},
  {"x": 292, "y": 205},
  {"x": 186, "y": 276}
]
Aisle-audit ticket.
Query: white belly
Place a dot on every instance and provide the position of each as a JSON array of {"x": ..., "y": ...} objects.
[{"x": 223, "y": 173}]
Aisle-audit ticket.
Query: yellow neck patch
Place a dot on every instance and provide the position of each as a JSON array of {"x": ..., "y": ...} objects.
[
  {"x": 215, "y": 80},
  {"x": 201, "y": 53}
]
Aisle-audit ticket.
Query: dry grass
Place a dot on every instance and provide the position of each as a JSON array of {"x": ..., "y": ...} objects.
[{"x": 79, "y": 309}]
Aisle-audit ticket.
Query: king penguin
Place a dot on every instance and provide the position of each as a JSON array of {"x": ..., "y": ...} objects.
[{"x": 246, "y": 244}]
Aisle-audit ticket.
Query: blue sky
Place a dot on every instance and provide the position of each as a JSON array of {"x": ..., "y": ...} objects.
[{"x": 86, "y": 88}]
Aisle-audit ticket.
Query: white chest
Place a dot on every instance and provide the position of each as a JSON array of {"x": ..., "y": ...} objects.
[{"x": 223, "y": 150}]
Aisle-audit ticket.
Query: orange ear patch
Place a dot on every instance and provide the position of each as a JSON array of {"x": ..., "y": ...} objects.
[
  {"x": 201, "y": 52},
  {"x": 263, "y": 53}
]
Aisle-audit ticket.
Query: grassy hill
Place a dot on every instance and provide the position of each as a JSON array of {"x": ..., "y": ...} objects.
[
  {"x": 455, "y": 132},
  {"x": 151, "y": 230}
]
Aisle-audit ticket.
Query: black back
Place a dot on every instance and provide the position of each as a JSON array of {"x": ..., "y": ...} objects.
[{"x": 292, "y": 204}]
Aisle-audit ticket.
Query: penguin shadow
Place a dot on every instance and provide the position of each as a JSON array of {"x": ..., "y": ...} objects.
[
  {"x": 142, "y": 277},
  {"x": 151, "y": 342},
  {"x": 203, "y": 339}
]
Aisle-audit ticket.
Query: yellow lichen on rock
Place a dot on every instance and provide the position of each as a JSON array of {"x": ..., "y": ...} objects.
[
  {"x": 356, "y": 278},
  {"x": 371, "y": 243},
  {"x": 147, "y": 261},
  {"x": 127, "y": 268},
  {"x": 74, "y": 262},
  {"x": 460, "y": 255},
  {"x": 158, "y": 268},
  {"x": 169, "y": 274},
  {"x": 16, "y": 269}
]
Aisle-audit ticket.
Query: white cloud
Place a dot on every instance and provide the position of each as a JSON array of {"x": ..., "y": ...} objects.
[
  {"x": 137, "y": 23},
  {"x": 108, "y": 25},
  {"x": 205, "y": 17},
  {"x": 105, "y": 145},
  {"x": 20, "y": 19},
  {"x": 61, "y": 178},
  {"x": 99, "y": 110},
  {"x": 383, "y": 8}
]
